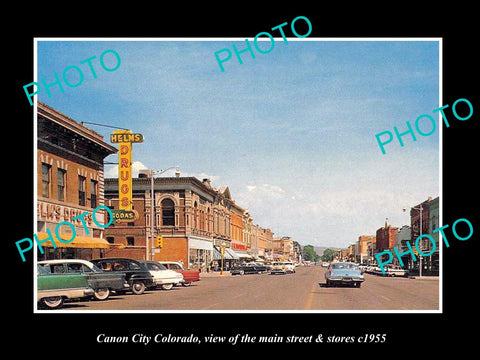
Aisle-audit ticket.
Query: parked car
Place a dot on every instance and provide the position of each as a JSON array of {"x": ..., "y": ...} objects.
[
  {"x": 54, "y": 289},
  {"x": 251, "y": 268},
  {"x": 394, "y": 270},
  {"x": 344, "y": 273},
  {"x": 278, "y": 268},
  {"x": 363, "y": 266},
  {"x": 101, "y": 282},
  {"x": 189, "y": 275},
  {"x": 136, "y": 274},
  {"x": 289, "y": 267},
  {"x": 162, "y": 276}
]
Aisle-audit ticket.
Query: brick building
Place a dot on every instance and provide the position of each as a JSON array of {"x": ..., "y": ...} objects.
[
  {"x": 385, "y": 237},
  {"x": 69, "y": 183},
  {"x": 193, "y": 218},
  {"x": 364, "y": 248},
  {"x": 430, "y": 221}
]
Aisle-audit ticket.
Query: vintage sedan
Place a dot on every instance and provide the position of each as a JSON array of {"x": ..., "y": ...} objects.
[
  {"x": 250, "y": 268},
  {"x": 394, "y": 270},
  {"x": 344, "y": 273},
  {"x": 102, "y": 282},
  {"x": 136, "y": 274},
  {"x": 54, "y": 289},
  {"x": 163, "y": 277},
  {"x": 189, "y": 275},
  {"x": 289, "y": 267},
  {"x": 278, "y": 267}
]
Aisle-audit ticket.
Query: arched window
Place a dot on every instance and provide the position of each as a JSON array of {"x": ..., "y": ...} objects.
[{"x": 168, "y": 212}]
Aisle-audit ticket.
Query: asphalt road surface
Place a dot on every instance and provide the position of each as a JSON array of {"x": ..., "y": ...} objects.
[{"x": 303, "y": 290}]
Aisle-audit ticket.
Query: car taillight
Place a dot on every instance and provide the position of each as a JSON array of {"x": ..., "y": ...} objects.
[{"x": 330, "y": 271}]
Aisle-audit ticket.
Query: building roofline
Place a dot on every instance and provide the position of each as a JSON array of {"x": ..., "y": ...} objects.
[{"x": 67, "y": 122}]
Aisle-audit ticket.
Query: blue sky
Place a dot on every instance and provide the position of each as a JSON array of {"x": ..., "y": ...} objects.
[{"x": 291, "y": 132}]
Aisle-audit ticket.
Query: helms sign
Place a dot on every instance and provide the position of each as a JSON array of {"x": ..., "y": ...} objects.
[{"x": 125, "y": 138}]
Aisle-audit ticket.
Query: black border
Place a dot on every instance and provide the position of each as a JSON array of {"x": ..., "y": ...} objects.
[{"x": 51, "y": 333}]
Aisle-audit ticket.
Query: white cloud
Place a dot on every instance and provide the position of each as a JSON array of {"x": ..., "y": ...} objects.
[{"x": 112, "y": 171}]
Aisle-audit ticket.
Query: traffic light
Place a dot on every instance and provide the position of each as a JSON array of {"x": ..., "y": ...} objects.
[{"x": 159, "y": 241}]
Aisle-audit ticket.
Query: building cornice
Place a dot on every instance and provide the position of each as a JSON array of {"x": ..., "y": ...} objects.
[{"x": 72, "y": 125}]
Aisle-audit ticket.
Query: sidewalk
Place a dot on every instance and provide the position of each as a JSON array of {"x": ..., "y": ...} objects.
[
  {"x": 214, "y": 274},
  {"x": 416, "y": 277}
]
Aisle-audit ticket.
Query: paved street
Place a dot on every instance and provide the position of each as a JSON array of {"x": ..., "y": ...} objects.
[{"x": 304, "y": 290}]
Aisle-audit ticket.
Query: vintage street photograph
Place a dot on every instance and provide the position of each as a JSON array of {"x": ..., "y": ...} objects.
[{"x": 261, "y": 174}]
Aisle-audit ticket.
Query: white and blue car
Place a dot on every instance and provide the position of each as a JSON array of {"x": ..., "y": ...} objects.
[{"x": 346, "y": 273}]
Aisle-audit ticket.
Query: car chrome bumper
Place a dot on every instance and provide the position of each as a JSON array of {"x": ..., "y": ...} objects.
[{"x": 346, "y": 279}]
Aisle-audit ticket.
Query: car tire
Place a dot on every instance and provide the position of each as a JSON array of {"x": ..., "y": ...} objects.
[
  {"x": 358, "y": 284},
  {"x": 101, "y": 294},
  {"x": 241, "y": 272},
  {"x": 167, "y": 286},
  {"x": 186, "y": 284},
  {"x": 138, "y": 287},
  {"x": 52, "y": 302}
]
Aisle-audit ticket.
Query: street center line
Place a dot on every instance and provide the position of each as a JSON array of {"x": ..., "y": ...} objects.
[{"x": 308, "y": 305}]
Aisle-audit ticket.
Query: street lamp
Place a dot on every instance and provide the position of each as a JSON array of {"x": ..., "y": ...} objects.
[
  {"x": 152, "y": 205},
  {"x": 420, "y": 208}
]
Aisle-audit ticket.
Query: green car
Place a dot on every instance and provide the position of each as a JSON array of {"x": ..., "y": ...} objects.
[{"x": 53, "y": 289}]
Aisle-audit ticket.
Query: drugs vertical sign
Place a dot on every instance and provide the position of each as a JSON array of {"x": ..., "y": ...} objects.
[{"x": 125, "y": 138}]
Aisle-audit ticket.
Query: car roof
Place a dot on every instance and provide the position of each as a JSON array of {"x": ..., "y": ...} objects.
[
  {"x": 114, "y": 258},
  {"x": 62, "y": 261}
]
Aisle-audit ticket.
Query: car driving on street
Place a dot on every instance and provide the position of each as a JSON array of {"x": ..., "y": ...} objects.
[{"x": 344, "y": 273}]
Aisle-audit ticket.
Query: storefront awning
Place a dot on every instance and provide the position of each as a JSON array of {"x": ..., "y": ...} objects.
[
  {"x": 229, "y": 254},
  {"x": 241, "y": 254},
  {"x": 232, "y": 253},
  {"x": 80, "y": 242}
]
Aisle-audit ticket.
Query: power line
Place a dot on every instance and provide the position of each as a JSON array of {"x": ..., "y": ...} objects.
[{"x": 109, "y": 126}]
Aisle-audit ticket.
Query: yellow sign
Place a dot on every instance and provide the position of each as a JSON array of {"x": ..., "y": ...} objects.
[
  {"x": 124, "y": 137},
  {"x": 124, "y": 172}
]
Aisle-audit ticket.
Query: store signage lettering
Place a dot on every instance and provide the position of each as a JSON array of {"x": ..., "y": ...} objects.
[
  {"x": 124, "y": 215},
  {"x": 81, "y": 217},
  {"x": 122, "y": 138},
  {"x": 58, "y": 213},
  {"x": 124, "y": 170}
]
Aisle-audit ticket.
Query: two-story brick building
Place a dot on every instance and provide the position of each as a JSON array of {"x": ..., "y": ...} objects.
[{"x": 69, "y": 183}]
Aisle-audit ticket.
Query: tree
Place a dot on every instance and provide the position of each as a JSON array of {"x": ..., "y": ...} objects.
[
  {"x": 328, "y": 255},
  {"x": 309, "y": 254}
]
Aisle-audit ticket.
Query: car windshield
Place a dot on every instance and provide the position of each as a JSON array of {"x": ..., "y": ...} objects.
[
  {"x": 344, "y": 266},
  {"x": 42, "y": 270}
]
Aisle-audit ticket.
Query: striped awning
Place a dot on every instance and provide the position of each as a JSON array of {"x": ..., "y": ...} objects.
[{"x": 80, "y": 242}]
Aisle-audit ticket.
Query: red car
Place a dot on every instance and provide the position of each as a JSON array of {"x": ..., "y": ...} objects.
[{"x": 189, "y": 275}]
